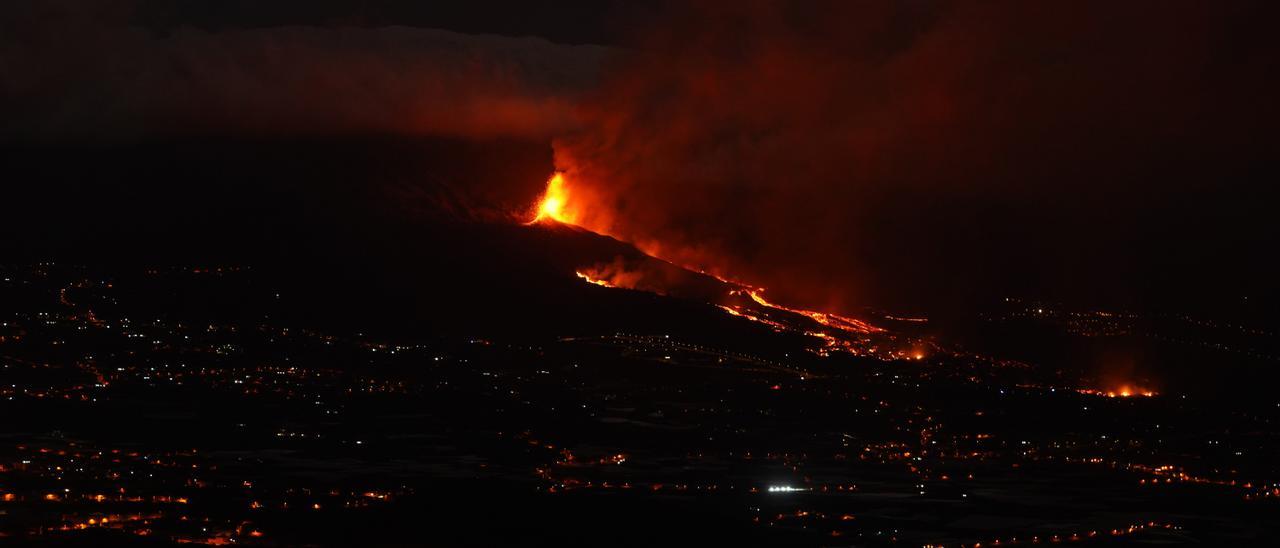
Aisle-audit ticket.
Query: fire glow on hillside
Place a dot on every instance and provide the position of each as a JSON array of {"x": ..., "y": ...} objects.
[
  {"x": 596, "y": 281},
  {"x": 836, "y": 332}
]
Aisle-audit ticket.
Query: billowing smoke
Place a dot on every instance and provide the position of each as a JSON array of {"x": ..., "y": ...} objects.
[
  {"x": 84, "y": 71},
  {"x": 838, "y": 153},
  {"x": 846, "y": 153}
]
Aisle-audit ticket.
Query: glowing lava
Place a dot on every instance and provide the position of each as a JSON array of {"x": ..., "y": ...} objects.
[
  {"x": 776, "y": 326},
  {"x": 597, "y": 281},
  {"x": 554, "y": 199},
  {"x": 1123, "y": 391},
  {"x": 830, "y": 320},
  {"x": 841, "y": 333}
]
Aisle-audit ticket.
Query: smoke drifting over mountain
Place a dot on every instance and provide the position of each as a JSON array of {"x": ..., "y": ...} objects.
[
  {"x": 899, "y": 154},
  {"x": 850, "y": 149}
]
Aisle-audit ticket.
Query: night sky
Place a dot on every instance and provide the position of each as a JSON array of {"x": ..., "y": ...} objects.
[{"x": 915, "y": 156}]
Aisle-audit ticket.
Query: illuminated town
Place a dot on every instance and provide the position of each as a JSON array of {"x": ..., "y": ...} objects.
[{"x": 769, "y": 441}]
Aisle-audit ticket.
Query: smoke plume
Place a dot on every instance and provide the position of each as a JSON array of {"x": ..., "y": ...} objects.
[{"x": 852, "y": 152}]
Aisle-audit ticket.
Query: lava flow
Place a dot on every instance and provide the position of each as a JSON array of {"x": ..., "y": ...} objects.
[
  {"x": 1122, "y": 391},
  {"x": 830, "y": 320},
  {"x": 591, "y": 280},
  {"x": 837, "y": 333},
  {"x": 553, "y": 202}
]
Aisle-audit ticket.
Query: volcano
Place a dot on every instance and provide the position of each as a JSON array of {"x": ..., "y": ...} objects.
[
  {"x": 633, "y": 269},
  {"x": 606, "y": 262},
  {"x": 392, "y": 234}
]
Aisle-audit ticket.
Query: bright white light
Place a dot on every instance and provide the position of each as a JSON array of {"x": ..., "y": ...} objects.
[{"x": 784, "y": 489}]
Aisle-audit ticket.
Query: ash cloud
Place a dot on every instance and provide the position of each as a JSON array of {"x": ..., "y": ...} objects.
[
  {"x": 853, "y": 153},
  {"x": 838, "y": 153}
]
